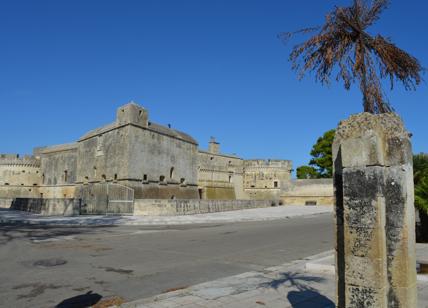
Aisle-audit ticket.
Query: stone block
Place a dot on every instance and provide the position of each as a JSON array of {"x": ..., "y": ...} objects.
[
  {"x": 399, "y": 197},
  {"x": 402, "y": 297},
  {"x": 364, "y": 212},
  {"x": 365, "y": 272},
  {"x": 364, "y": 242},
  {"x": 398, "y": 150},
  {"x": 360, "y": 296},
  {"x": 366, "y": 139},
  {"x": 362, "y": 151},
  {"x": 402, "y": 266},
  {"x": 363, "y": 183}
]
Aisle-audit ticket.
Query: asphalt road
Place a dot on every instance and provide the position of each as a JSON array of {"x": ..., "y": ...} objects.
[{"x": 46, "y": 266}]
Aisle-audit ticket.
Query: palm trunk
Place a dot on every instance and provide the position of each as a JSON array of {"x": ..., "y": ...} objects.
[{"x": 368, "y": 107}]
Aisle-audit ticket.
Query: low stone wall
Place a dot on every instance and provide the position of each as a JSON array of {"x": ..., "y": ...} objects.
[
  {"x": 48, "y": 207},
  {"x": 308, "y": 200},
  {"x": 5, "y": 203},
  {"x": 166, "y": 207},
  {"x": 309, "y": 192}
]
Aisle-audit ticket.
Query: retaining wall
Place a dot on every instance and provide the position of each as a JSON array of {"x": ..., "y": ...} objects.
[
  {"x": 48, "y": 207},
  {"x": 156, "y": 207},
  {"x": 5, "y": 203},
  {"x": 188, "y": 207}
]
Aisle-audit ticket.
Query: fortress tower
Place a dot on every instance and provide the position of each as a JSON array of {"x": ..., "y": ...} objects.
[{"x": 19, "y": 171}]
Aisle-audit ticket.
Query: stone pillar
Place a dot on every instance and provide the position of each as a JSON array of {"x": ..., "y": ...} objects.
[{"x": 375, "y": 223}]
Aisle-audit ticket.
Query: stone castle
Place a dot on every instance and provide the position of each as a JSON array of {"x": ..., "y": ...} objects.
[{"x": 154, "y": 161}]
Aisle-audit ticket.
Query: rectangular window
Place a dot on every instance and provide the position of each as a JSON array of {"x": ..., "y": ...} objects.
[{"x": 311, "y": 202}]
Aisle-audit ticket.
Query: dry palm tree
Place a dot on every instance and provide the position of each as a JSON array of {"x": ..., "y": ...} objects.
[{"x": 343, "y": 45}]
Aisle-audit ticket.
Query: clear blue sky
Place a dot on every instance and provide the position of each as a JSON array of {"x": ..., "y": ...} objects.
[{"x": 207, "y": 67}]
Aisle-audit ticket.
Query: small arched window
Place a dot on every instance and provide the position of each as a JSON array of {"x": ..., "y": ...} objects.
[{"x": 171, "y": 173}]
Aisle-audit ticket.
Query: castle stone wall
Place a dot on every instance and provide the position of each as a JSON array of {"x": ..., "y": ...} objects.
[
  {"x": 264, "y": 179},
  {"x": 162, "y": 159},
  {"x": 220, "y": 176},
  {"x": 104, "y": 156},
  {"x": 19, "y": 171},
  {"x": 308, "y": 192},
  {"x": 154, "y": 160},
  {"x": 58, "y": 164}
]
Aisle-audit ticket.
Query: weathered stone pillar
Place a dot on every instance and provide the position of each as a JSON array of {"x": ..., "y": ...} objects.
[{"x": 375, "y": 223}]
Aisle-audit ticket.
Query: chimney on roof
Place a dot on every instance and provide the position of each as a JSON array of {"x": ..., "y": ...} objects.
[{"x": 213, "y": 146}]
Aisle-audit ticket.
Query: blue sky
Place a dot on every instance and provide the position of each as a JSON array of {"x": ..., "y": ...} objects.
[{"x": 207, "y": 67}]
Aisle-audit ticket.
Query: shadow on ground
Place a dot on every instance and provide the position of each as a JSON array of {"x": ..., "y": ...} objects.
[
  {"x": 303, "y": 294},
  {"x": 80, "y": 301},
  {"x": 15, "y": 231},
  {"x": 9, "y": 216}
]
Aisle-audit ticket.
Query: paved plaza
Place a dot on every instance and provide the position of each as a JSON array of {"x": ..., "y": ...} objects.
[
  {"x": 290, "y": 285},
  {"x": 259, "y": 214},
  {"x": 44, "y": 265}
]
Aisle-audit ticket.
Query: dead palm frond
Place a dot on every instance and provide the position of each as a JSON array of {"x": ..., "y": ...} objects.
[{"x": 342, "y": 43}]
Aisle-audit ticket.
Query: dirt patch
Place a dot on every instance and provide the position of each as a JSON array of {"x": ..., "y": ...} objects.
[
  {"x": 117, "y": 270},
  {"x": 50, "y": 262},
  {"x": 108, "y": 302},
  {"x": 36, "y": 289}
]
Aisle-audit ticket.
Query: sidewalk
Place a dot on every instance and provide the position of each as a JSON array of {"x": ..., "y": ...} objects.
[
  {"x": 326, "y": 264},
  {"x": 261, "y": 214},
  {"x": 288, "y": 285}
]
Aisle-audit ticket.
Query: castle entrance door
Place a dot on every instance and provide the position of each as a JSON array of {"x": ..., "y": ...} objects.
[{"x": 106, "y": 199}]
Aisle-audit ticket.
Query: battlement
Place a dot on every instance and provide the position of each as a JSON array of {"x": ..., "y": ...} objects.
[
  {"x": 16, "y": 160},
  {"x": 267, "y": 163}
]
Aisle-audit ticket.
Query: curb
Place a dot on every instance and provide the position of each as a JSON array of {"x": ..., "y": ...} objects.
[{"x": 155, "y": 221}]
